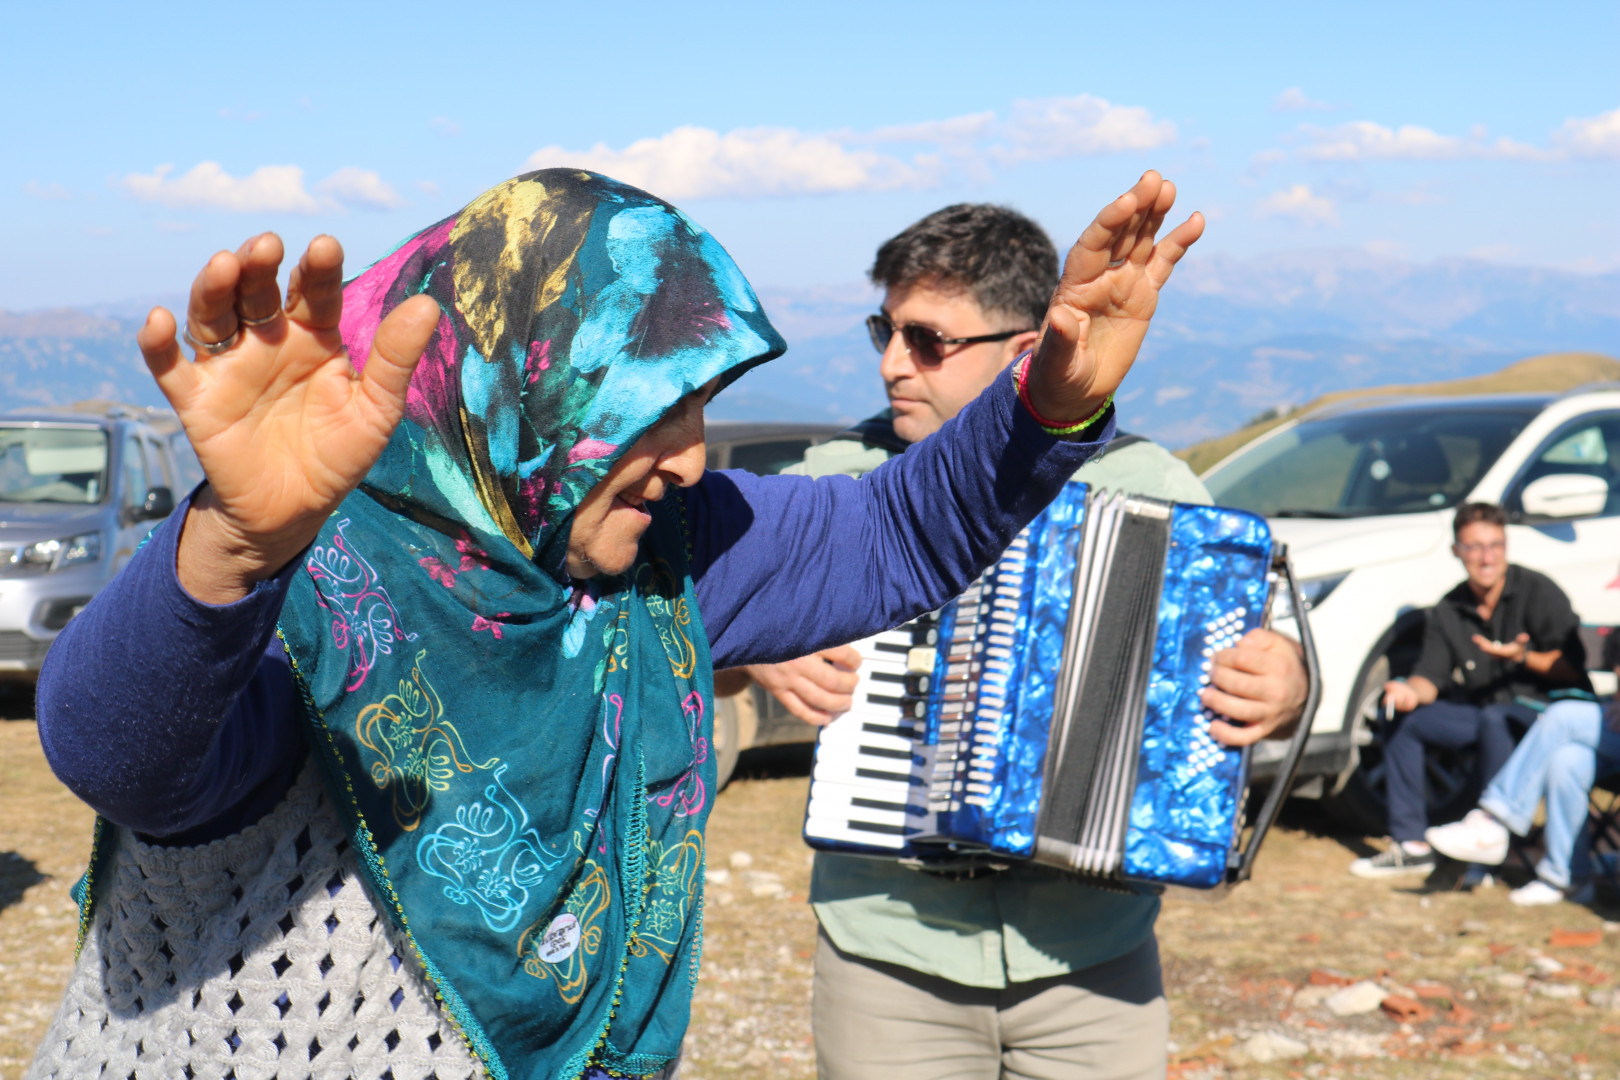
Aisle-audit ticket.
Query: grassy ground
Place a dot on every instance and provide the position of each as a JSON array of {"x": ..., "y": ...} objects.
[{"x": 1247, "y": 975}]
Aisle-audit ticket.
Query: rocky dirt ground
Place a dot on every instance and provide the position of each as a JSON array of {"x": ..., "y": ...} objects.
[{"x": 1304, "y": 972}]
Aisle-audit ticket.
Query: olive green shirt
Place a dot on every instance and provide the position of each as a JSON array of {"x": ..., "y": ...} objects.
[{"x": 1018, "y": 925}]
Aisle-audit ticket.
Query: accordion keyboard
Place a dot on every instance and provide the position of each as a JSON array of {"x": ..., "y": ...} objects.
[{"x": 872, "y": 764}]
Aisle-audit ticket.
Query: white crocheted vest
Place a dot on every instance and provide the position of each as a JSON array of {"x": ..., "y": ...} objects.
[{"x": 259, "y": 955}]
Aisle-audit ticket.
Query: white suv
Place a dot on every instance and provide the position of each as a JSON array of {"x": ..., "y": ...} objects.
[{"x": 1364, "y": 492}]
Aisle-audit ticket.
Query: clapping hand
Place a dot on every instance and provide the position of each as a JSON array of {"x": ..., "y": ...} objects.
[
  {"x": 282, "y": 423},
  {"x": 1105, "y": 300}
]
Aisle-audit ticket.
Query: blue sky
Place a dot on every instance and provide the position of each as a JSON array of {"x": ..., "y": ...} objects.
[{"x": 138, "y": 140}]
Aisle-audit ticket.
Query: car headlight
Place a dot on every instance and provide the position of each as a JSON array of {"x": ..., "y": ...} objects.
[
  {"x": 60, "y": 554},
  {"x": 1314, "y": 591}
]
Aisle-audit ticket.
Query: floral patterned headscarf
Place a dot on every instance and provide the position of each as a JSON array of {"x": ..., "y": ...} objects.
[{"x": 524, "y": 760}]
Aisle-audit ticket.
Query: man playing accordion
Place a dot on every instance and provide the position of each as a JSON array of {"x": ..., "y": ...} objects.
[{"x": 1024, "y": 971}]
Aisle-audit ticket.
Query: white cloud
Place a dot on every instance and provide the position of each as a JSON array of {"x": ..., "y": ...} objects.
[
  {"x": 1299, "y": 203},
  {"x": 352, "y": 186},
  {"x": 696, "y": 163},
  {"x": 955, "y": 129},
  {"x": 1051, "y": 128},
  {"x": 1591, "y": 136},
  {"x": 1363, "y": 140},
  {"x": 1293, "y": 99},
  {"x": 48, "y": 192},
  {"x": 269, "y": 189}
]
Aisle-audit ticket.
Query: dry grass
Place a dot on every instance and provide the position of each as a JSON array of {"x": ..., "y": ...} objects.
[
  {"x": 1233, "y": 967},
  {"x": 1548, "y": 372},
  {"x": 44, "y": 841}
]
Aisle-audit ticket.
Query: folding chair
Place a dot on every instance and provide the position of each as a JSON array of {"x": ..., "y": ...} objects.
[{"x": 1603, "y": 823}]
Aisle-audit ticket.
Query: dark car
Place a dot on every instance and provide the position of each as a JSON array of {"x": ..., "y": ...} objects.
[{"x": 753, "y": 717}]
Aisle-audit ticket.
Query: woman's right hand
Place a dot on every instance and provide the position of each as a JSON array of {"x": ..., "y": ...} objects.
[{"x": 282, "y": 423}]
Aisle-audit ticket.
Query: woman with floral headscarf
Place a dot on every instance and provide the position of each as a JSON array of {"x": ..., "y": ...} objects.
[{"x": 398, "y": 728}]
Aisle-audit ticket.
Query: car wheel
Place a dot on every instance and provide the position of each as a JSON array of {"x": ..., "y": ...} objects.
[
  {"x": 727, "y": 741},
  {"x": 1449, "y": 787}
]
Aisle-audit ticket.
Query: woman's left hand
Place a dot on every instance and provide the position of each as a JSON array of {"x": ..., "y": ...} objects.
[{"x": 1105, "y": 300}]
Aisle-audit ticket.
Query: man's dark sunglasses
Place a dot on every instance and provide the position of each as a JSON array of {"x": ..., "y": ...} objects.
[{"x": 922, "y": 342}]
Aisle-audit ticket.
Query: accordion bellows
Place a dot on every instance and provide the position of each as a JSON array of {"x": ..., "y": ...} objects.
[{"x": 1051, "y": 712}]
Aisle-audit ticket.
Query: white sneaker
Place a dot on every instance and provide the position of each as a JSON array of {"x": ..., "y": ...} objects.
[
  {"x": 1477, "y": 838},
  {"x": 1536, "y": 894}
]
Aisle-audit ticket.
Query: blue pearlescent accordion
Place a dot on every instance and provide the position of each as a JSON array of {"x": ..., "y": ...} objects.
[{"x": 1051, "y": 712}]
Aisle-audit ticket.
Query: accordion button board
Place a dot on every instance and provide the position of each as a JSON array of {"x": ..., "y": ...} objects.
[{"x": 1051, "y": 713}]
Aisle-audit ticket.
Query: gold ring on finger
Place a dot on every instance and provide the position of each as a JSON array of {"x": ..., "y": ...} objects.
[
  {"x": 212, "y": 348},
  {"x": 262, "y": 321}
]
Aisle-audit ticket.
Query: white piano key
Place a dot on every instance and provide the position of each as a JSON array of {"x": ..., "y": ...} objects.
[
  {"x": 840, "y": 832},
  {"x": 861, "y": 738},
  {"x": 886, "y": 790},
  {"x": 848, "y": 811}
]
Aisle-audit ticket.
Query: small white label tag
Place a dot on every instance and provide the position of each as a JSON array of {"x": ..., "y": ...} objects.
[{"x": 560, "y": 939}]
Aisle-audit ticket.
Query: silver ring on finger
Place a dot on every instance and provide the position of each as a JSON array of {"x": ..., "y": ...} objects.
[
  {"x": 212, "y": 348},
  {"x": 262, "y": 321}
]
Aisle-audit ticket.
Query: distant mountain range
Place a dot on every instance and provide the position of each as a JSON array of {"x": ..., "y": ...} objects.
[{"x": 1233, "y": 339}]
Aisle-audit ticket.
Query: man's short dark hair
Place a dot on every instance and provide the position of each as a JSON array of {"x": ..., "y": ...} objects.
[
  {"x": 1475, "y": 514},
  {"x": 1001, "y": 258}
]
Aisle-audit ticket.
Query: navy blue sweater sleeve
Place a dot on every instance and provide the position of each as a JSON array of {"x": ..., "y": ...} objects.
[
  {"x": 179, "y": 719},
  {"x": 166, "y": 714},
  {"x": 786, "y": 565}
]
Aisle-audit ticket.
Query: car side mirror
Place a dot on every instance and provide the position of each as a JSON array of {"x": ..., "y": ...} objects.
[
  {"x": 1565, "y": 495},
  {"x": 159, "y": 504}
]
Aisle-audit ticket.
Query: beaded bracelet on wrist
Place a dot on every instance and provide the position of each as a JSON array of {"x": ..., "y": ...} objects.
[{"x": 1021, "y": 378}]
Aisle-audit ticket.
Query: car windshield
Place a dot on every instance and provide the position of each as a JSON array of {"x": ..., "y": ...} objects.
[
  {"x": 52, "y": 464},
  {"x": 1363, "y": 464}
]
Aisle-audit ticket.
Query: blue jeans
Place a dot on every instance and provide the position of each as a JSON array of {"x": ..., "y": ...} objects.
[
  {"x": 1564, "y": 753},
  {"x": 1450, "y": 724}
]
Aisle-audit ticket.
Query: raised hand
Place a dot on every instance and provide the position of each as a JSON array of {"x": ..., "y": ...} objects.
[
  {"x": 282, "y": 423},
  {"x": 1105, "y": 300}
]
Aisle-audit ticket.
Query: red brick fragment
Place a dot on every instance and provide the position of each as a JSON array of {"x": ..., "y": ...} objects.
[
  {"x": 1499, "y": 950},
  {"x": 1460, "y": 1014},
  {"x": 1576, "y": 939},
  {"x": 1309, "y": 939},
  {"x": 1429, "y": 991},
  {"x": 1467, "y": 1049},
  {"x": 1501, "y": 1025},
  {"x": 1329, "y": 977},
  {"x": 1405, "y": 1010}
]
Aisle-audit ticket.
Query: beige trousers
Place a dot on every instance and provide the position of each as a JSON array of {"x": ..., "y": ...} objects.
[{"x": 877, "y": 1021}]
